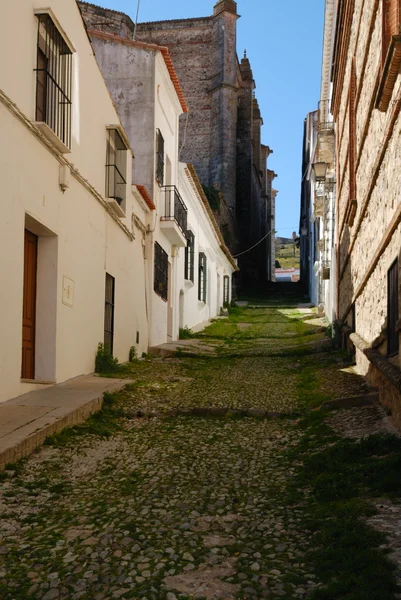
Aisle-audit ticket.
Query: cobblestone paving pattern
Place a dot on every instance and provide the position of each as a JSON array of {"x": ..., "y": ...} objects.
[{"x": 184, "y": 507}]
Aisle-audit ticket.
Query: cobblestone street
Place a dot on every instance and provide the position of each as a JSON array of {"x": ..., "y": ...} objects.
[{"x": 194, "y": 481}]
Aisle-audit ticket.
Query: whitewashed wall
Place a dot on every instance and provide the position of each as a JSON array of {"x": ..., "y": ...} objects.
[
  {"x": 78, "y": 238},
  {"x": 193, "y": 310}
]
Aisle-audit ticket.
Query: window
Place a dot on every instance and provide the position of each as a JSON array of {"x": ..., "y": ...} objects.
[
  {"x": 53, "y": 80},
  {"x": 190, "y": 256},
  {"x": 226, "y": 290},
  {"x": 109, "y": 312},
  {"x": 390, "y": 25},
  {"x": 352, "y": 145},
  {"x": 159, "y": 157},
  {"x": 116, "y": 166},
  {"x": 161, "y": 272},
  {"x": 392, "y": 310},
  {"x": 390, "y": 52},
  {"x": 202, "y": 279}
]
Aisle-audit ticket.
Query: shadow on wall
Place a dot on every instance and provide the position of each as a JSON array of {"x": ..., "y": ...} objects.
[{"x": 346, "y": 285}]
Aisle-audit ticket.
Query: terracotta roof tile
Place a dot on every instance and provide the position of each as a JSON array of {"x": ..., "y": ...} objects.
[{"x": 146, "y": 196}]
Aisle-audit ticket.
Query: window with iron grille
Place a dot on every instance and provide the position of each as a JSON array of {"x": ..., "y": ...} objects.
[
  {"x": 109, "y": 312},
  {"x": 53, "y": 79},
  {"x": 226, "y": 289},
  {"x": 161, "y": 272},
  {"x": 190, "y": 256},
  {"x": 202, "y": 278},
  {"x": 159, "y": 157},
  {"x": 116, "y": 166},
  {"x": 392, "y": 309}
]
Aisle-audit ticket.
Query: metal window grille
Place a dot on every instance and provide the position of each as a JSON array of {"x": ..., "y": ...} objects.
[
  {"x": 226, "y": 289},
  {"x": 53, "y": 80},
  {"x": 161, "y": 272},
  {"x": 392, "y": 309},
  {"x": 159, "y": 157},
  {"x": 190, "y": 256},
  {"x": 109, "y": 312},
  {"x": 202, "y": 279},
  {"x": 175, "y": 208},
  {"x": 116, "y": 167}
]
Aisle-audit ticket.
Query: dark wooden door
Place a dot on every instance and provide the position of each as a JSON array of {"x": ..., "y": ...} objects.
[
  {"x": 109, "y": 312},
  {"x": 29, "y": 305}
]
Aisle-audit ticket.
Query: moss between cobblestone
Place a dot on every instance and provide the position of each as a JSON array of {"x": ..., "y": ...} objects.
[{"x": 121, "y": 503}]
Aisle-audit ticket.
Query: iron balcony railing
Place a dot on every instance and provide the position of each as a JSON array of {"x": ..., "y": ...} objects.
[
  {"x": 325, "y": 119},
  {"x": 175, "y": 208}
]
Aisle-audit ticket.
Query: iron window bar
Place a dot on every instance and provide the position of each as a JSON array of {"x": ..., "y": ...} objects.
[
  {"x": 202, "y": 279},
  {"x": 159, "y": 157},
  {"x": 116, "y": 167},
  {"x": 226, "y": 290},
  {"x": 160, "y": 285},
  {"x": 53, "y": 80},
  {"x": 190, "y": 256},
  {"x": 175, "y": 208}
]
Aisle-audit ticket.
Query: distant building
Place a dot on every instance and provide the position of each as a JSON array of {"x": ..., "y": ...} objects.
[
  {"x": 318, "y": 195},
  {"x": 221, "y": 133}
]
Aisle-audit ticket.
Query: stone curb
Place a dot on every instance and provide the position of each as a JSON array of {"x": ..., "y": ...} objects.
[
  {"x": 211, "y": 411},
  {"x": 352, "y": 402},
  {"x": 26, "y": 446}
]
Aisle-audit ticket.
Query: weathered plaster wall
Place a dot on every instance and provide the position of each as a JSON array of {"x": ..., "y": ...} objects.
[{"x": 129, "y": 73}]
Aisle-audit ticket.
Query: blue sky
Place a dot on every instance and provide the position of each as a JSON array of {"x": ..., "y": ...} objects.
[{"x": 283, "y": 39}]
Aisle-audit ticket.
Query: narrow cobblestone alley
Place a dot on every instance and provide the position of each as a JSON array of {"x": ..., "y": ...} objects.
[{"x": 212, "y": 476}]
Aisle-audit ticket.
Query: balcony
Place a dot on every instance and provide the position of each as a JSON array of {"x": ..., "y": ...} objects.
[
  {"x": 174, "y": 221},
  {"x": 326, "y": 123}
]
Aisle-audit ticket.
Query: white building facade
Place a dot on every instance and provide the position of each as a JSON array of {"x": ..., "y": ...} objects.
[
  {"x": 148, "y": 96},
  {"x": 72, "y": 228},
  {"x": 318, "y": 195},
  {"x": 206, "y": 266}
]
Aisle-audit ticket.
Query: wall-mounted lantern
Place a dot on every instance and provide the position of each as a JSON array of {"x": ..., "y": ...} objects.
[{"x": 320, "y": 170}]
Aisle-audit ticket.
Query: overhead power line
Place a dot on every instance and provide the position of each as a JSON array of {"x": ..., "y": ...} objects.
[{"x": 260, "y": 241}]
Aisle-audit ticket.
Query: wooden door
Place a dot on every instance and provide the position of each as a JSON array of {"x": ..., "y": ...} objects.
[
  {"x": 29, "y": 305},
  {"x": 109, "y": 312}
]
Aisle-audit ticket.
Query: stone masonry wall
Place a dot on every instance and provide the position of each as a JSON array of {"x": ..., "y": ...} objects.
[{"x": 378, "y": 180}]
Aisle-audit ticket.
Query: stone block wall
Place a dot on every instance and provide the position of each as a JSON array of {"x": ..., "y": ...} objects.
[{"x": 369, "y": 233}]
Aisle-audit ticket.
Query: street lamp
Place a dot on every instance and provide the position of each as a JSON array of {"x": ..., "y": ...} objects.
[{"x": 320, "y": 170}]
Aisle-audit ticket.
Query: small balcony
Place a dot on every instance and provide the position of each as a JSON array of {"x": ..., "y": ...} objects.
[
  {"x": 174, "y": 221},
  {"x": 326, "y": 123}
]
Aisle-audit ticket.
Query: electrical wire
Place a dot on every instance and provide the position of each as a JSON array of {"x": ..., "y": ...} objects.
[
  {"x": 262, "y": 240},
  {"x": 136, "y": 20}
]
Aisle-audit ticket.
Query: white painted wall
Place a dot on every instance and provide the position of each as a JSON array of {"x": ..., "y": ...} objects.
[
  {"x": 78, "y": 237},
  {"x": 218, "y": 265}
]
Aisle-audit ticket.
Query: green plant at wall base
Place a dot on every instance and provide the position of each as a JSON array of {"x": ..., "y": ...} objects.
[
  {"x": 105, "y": 362},
  {"x": 133, "y": 354},
  {"x": 185, "y": 333}
]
